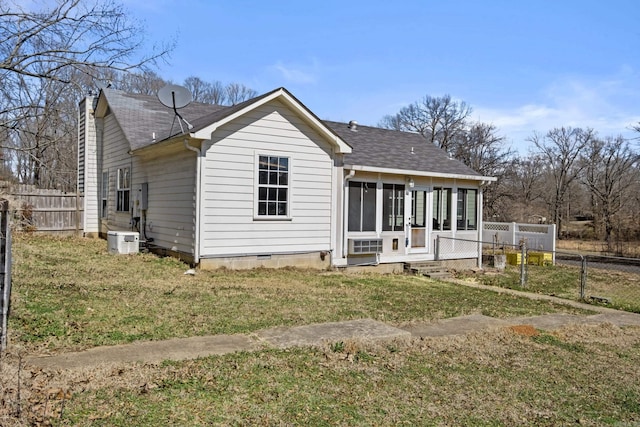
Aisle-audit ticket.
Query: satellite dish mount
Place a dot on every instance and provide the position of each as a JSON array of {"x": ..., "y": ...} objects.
[{"x": 176, "y": 97}]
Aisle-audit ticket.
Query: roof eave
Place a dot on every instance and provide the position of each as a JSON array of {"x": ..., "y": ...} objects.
[{"x": 392, "y": 171}]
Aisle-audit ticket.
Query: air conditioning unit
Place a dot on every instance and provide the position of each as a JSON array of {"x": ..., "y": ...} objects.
[
  {"x": 123, "y": 242},
  {"x": 365, "y": 246}
]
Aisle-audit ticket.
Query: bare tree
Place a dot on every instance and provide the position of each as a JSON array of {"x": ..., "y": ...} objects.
[
  {"x": 441, "y": 120},
  {"x": 146, "y": 83},
  {"x": 48, "y": 55},
  {"x": 609, "y": 175},
  {"x": 560, "y": 148},
  {"x": 200, "y": 90},
  {"x": 523, "y": 184},
  {"x": 482, "y": 149},
  {"x": 74, "y": 34},
  {"x": 237, "y": 93}
]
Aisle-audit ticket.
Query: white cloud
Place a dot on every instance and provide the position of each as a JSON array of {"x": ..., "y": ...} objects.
[
  {"x": 607, "y": 104},
  {"x": 296, "y": 73}
]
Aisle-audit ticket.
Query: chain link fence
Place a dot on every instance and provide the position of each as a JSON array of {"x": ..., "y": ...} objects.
[{"x": 602, "y": 280}]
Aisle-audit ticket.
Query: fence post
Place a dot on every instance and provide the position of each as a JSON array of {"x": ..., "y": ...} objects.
[
  {"x": 5, "y": 271},
  {"x": 583, "y": 277},
  {"x": 523, "y": 263},
  {"x": 437, "y": 248}
]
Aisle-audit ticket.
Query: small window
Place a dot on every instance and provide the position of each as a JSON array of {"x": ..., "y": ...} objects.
[
  {"x": 466, "y": 212},
  {"x": 123, "y": 190},
  {"x": 441, "y": 209},
  {"x": 273, "y": 186},
  {"x": 393, "y": 207},
  {"x": 104, "y": 194},
  {"x": 362, "y": 206}
]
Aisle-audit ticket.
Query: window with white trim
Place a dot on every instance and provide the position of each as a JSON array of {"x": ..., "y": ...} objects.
[
  {"x": 392, "y": 207},
  {"x": 362, "y": 206},
  {"x": 467, "y": 218},
  {"x": 104, "y": 194},
  {"x": 273, "y": 186},
  {"x": 123, "y": 190},
  {"x": 441, "y": 209}
]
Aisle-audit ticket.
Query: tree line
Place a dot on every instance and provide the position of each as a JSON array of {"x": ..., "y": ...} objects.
[
  {"x": 52, "y": 57},
  {"x": 568, "y": 174}
]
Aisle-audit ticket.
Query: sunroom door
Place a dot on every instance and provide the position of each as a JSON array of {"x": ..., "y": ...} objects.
[{"x": 419, "y": 219}]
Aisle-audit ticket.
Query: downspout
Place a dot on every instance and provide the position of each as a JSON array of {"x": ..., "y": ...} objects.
[
  {"x": 345, "y": 212},
  {"x": 196, "y": 238}
]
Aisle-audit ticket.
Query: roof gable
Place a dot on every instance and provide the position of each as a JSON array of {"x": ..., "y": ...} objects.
[
  {"x": 205, "y": 126},
  {"x": 144, "y": 120}
]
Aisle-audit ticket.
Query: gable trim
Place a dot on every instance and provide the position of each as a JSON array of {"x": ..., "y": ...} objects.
[{"x": 291, "y": 102}]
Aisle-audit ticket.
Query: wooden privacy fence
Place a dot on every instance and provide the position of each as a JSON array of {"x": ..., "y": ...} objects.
[{"x": 47, "y": 211}]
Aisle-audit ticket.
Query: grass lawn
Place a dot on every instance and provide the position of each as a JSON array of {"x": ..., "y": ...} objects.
[
  {"x": 620, "y": 287},
  {"x": 69, "y": 294}
]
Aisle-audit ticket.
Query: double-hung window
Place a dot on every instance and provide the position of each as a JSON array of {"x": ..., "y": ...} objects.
[
  {"x": 393, "y": 207},
  {"x": 273, "y": 186},
  {"x": 362, "y": 206},
  {"x": 104, "y": 194},
  {"x": 441, "y": 209},
  {"x": 123, "y": 190},
  {"x": 466, "y": 212}
]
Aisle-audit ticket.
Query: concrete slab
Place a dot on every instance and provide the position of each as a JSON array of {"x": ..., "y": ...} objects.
[
  {"x": 558, "y": 320},
  {"x": 549, "y": 322},
  {"x": 455, "y": 326},
  {"x": 319, "y": 334},
  {"x": 149, "y": 351},
  {"x": 618, "y": 318},
  {"x": 311, "y": 335}
]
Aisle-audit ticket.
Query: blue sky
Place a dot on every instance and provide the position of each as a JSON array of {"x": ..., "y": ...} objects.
[{"x": 522, "y": 65}]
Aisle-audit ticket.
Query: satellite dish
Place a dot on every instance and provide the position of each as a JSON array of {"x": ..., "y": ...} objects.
[{"x": 174, "y": 96}]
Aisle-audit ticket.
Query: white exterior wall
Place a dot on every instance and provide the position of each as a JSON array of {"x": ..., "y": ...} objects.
[
  {"x": 229, "y": 225},
  {"x": 170, "y": 219},
  {"x": 88, "y": 167},
  {"x": 170, "y": 175},
  {"x": 115, "y": 155}
]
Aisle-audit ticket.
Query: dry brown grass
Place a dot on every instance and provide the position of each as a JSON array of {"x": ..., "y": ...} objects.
[
  {"x": 70, "y": 294},
  {"x": 507, "y": 377},
  {"x": 627, "y": 249}
]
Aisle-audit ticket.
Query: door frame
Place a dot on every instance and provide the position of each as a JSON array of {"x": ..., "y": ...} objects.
[{"x": 427, "y": 219}]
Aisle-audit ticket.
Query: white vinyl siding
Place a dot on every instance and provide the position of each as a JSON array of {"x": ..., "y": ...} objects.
[
  {"x": 115, "y": 156},
  {"x": 171, "y": 198},
  {"x": 88, "y": 166},
  {"x": 229, "y": 224}
]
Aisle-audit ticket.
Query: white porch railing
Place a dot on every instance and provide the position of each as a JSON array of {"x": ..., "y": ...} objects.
[{"x": 536, "y": 236}]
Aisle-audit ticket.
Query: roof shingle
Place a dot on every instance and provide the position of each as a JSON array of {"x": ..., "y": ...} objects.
[{"x": 143, "y": 116}]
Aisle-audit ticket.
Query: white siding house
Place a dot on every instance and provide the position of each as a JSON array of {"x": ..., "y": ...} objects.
[{"x": 267, "y": 183}]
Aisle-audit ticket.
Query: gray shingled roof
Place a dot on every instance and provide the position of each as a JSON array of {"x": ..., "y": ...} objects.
[
  {"x": 140, "y": 116},
  {"x": 208, "y": 119},
  {"x": 390, "y": 149}
]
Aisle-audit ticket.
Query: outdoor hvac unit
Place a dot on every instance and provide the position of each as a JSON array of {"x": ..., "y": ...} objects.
[
  {"x": 365, "y": 246},
  {"x": 123, "y": 242}
]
